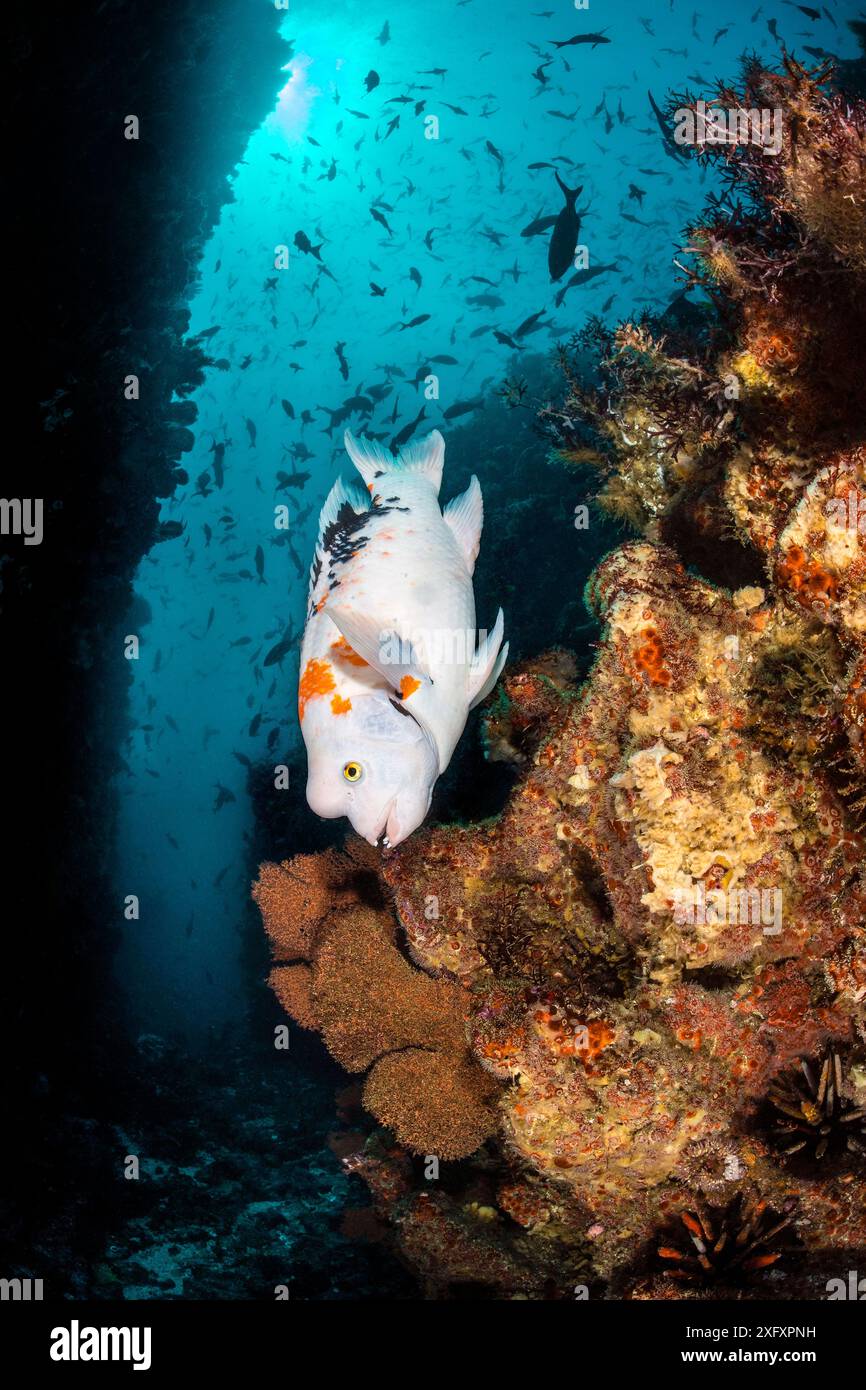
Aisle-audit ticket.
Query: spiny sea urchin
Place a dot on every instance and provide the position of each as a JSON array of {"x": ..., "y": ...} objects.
[
  {"x": 725, "y": 1245},
  {"x": 821, "y": 1118}
]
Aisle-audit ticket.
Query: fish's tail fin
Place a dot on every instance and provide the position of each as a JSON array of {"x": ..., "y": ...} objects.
[
  {"x": 425, "y": 458},
  {"x": 571, "y": 194}
]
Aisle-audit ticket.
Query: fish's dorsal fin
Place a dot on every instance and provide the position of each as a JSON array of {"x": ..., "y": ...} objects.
[
  {"x": 392, "y": 656},
  {"x": 425, "y": 458},
  {"x": 465, "y": 516},
  {"x": 339, "y": 497},
  {"x": 369, "y": 458},
  {"x": 487, "y": 663}
]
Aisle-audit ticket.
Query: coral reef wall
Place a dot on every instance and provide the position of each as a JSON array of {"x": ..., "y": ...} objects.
[{"x": 614, "y": 1036}]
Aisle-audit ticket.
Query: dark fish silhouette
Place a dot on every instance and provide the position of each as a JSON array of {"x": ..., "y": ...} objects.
[
  {"x": 407, "y": 431},
  {"x": 381, "y": 218},
  {"x": 594, "y": 39},
  {"x": 219, "y": 453},
  {"x": 539, "y": 224},
  {"x": 224, "y": 796},
  {"x": 294, "y": 479},
  {"x": 530, "y": 325},
  {"x": 494, "y": 153},
  {"x": 580, "y": 277},
  {"x": 281, "y": 650},
  {"x": 463, "y": 408},
  {"x": 560, "y": 254},
  {"x": 671, "y": 147},
  {"x": 303, "y": 243}
]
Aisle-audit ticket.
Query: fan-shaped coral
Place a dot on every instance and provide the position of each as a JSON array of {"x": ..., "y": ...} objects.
[{"x": 371, "y": 1007}]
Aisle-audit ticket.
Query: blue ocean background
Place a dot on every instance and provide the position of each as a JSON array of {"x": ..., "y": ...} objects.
[{"x": 290, "y": 333}]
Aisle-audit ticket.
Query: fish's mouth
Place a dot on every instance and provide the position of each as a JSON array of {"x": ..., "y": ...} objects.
[
  {"x": 383, "y": 825},
  {"x": 389, "y": 832}
]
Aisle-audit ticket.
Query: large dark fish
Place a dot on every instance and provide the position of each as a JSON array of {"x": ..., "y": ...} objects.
[
  {"x": 594, "y": 39},
  {"x": 560, "y": 254}
]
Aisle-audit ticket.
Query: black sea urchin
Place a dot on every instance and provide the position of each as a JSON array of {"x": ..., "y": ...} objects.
[{"x": 820, "y": 1118}]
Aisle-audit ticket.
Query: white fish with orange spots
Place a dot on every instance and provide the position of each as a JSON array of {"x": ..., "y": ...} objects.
[{"x": 391, "y": 663}]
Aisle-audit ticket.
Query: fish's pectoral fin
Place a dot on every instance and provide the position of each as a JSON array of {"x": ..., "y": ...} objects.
[
  {"x": 489, "y": 684},
  {"x": 487, "y": 663},
  {"x": 465, "y": 516},
  {"x": 390, "y": 654}
]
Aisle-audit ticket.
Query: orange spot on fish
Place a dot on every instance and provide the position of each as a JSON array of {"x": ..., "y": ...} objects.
[
  {"x": 322, "y": 601},
  {"x": 345, "y": 652},
  {"x": 318, "y": 679},
  {"x": 408, "y": 686},
  {"x": 340, "y": 706}
]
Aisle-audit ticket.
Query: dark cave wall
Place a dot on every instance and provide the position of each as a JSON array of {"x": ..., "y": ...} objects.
[{"x": 106, "y": 238}]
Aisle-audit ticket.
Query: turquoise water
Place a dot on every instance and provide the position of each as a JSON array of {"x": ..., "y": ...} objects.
[{"x": 284, "y": 326}]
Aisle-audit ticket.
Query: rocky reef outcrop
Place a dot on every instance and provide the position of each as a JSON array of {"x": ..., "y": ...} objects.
[{"x": 613, "y": 1038}]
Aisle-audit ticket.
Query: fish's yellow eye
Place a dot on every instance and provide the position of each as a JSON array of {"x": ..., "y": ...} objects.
[{"x": 353, "y": 772}]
